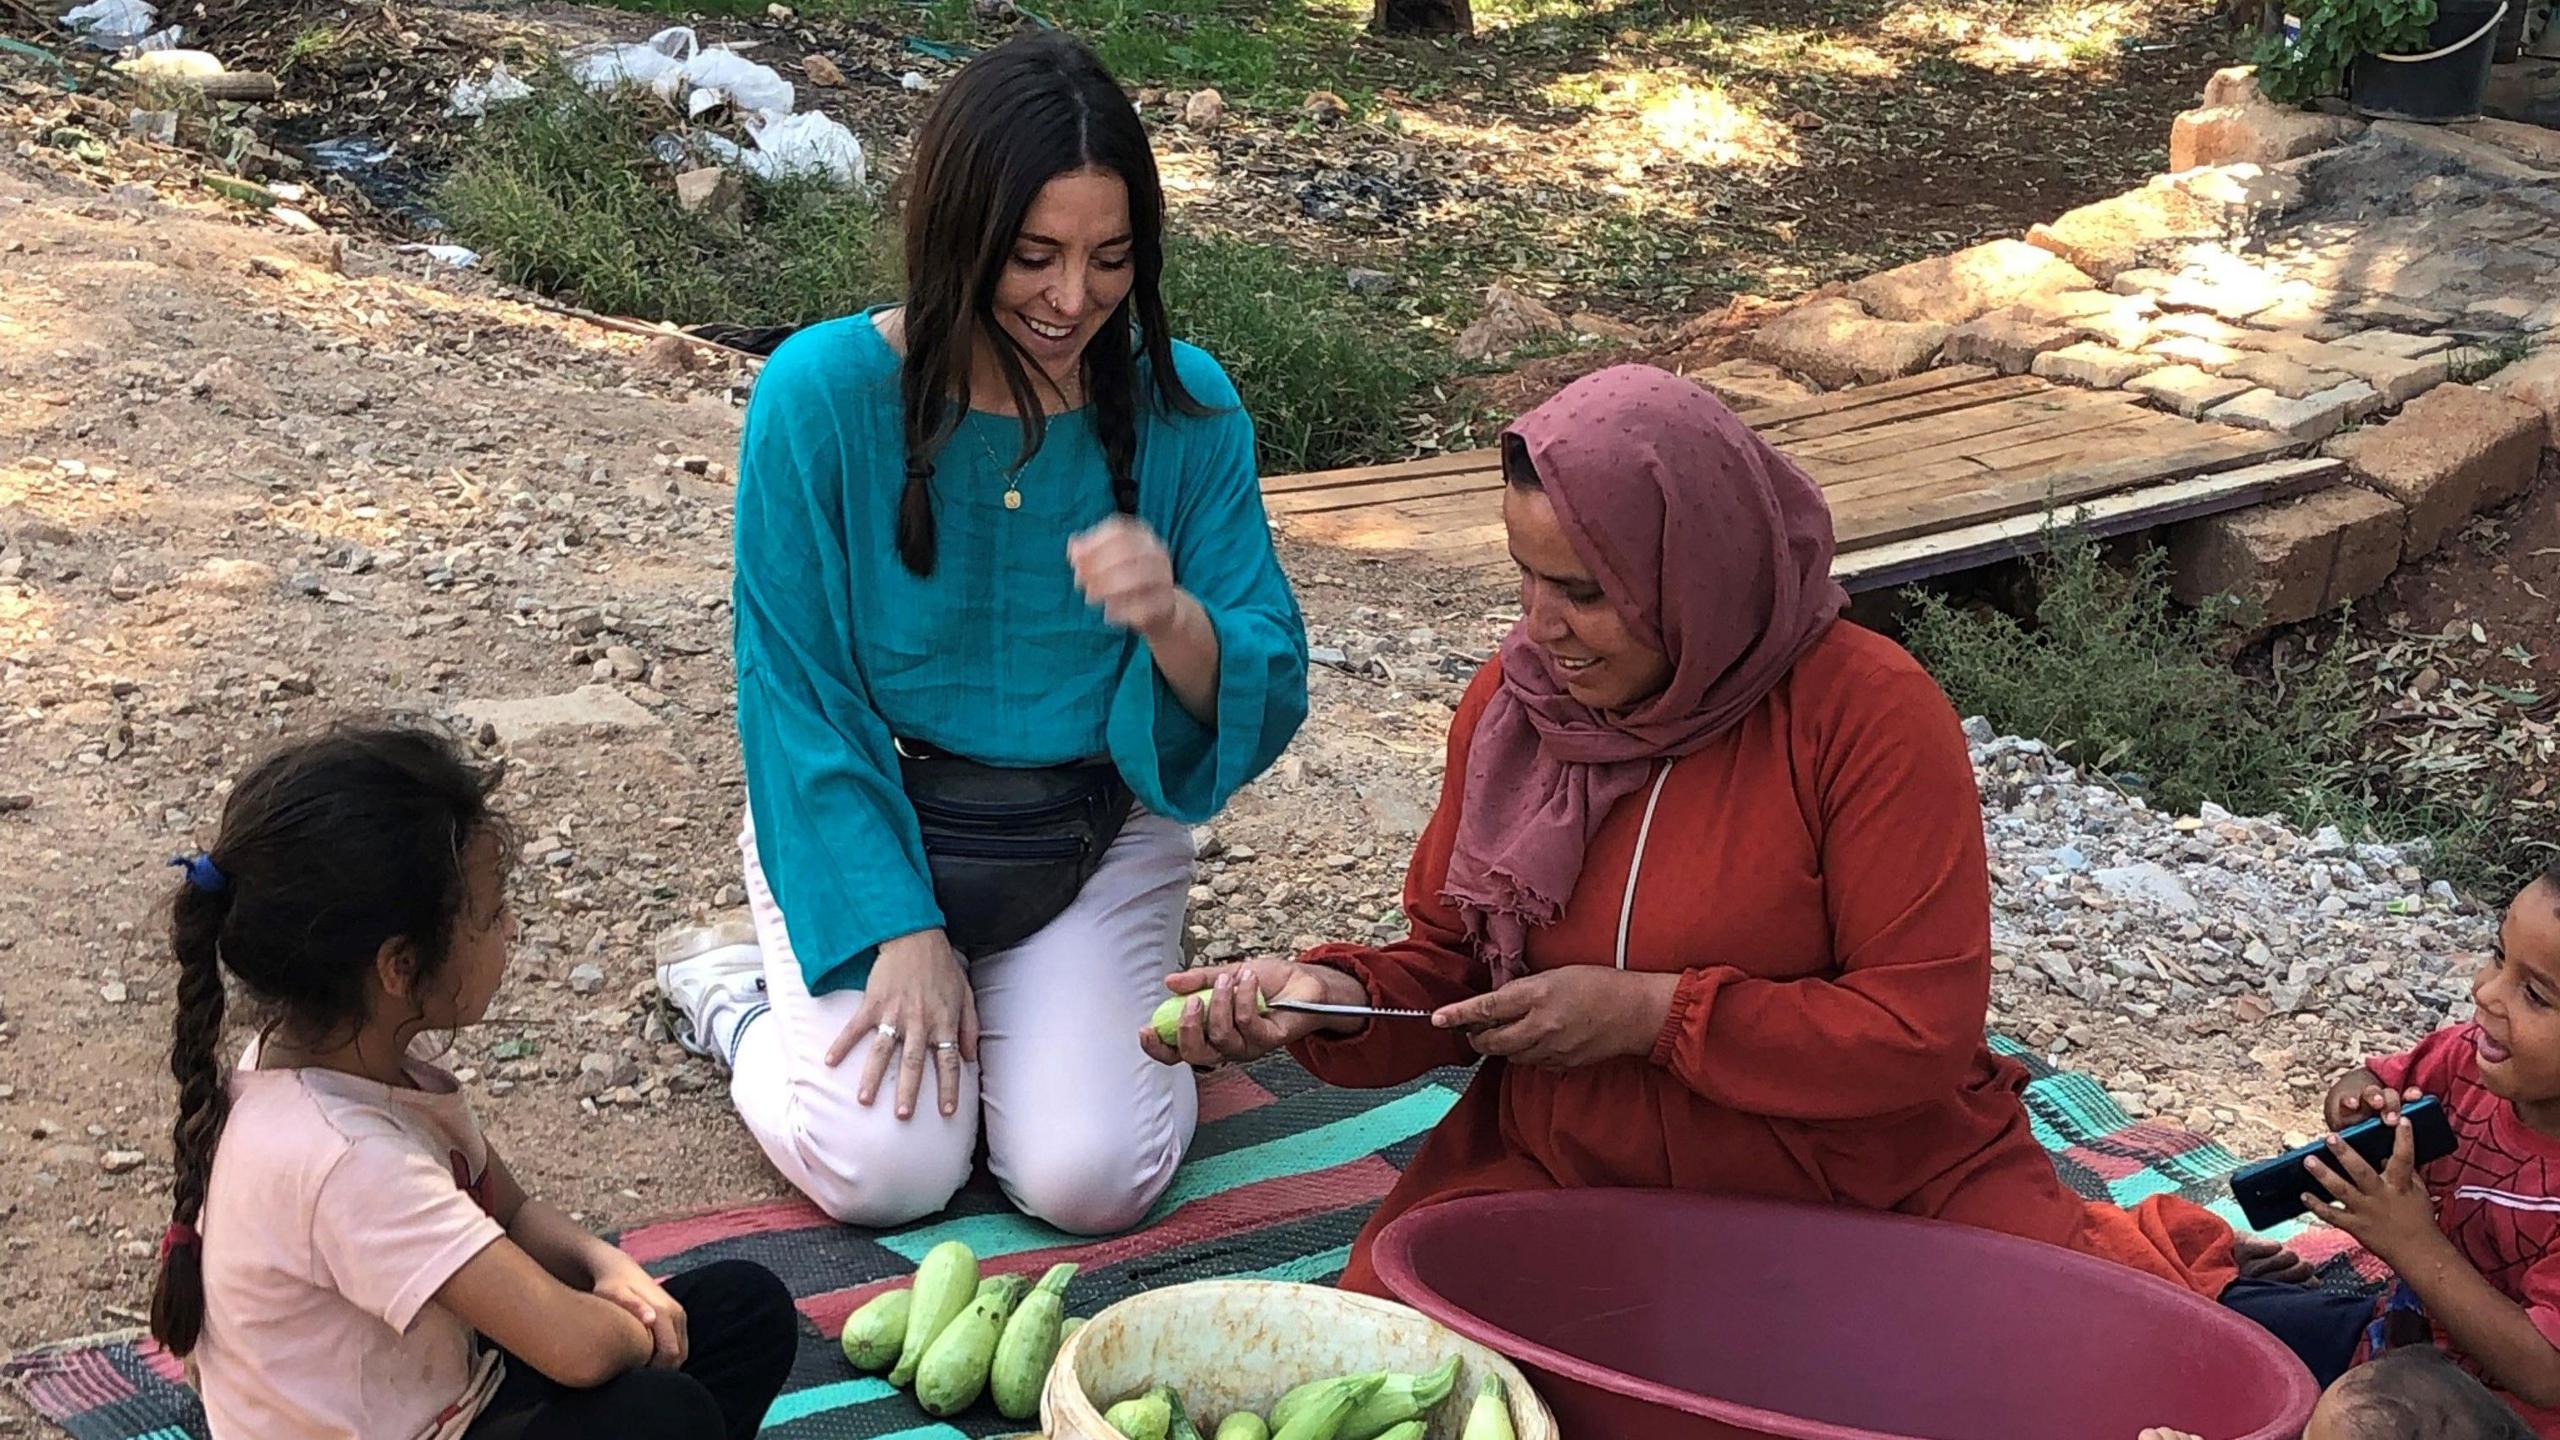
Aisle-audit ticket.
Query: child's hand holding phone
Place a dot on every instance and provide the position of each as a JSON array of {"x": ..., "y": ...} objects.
[
  {"x": 2362, "y": 1096},
  {"x": 2392, "y": 1124},
  {"x": 2386, "y": 1210}
]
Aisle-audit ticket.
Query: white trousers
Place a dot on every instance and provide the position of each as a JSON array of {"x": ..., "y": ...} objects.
[{"x": 1083, "y": 1130}]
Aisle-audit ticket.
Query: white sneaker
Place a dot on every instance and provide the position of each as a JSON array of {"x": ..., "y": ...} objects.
[{"x": 713, "y": 978}]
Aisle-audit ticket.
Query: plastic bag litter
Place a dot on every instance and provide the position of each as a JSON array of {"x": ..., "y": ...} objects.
[
  {"x": 673, "y": 63},
  {"x": 348, "y": 154},
  {"x": 499, "y": 87},
  {"x": 113, "y": 24},
  {"x": 657, "y": 66},
  {"x": 159, "y": 40},
  {"x": 157, "y": 64},
  {"x": 720, "y": 76},
  {"x": 457, "y": 256},
  {"x": 805, "y": 145}
]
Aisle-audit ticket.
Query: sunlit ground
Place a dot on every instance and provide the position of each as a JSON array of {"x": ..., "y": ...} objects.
[{"x": 1652, "y": 157}]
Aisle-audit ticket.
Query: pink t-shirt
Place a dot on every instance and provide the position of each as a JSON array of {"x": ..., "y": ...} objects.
[{"x": 338, "y": 1207}]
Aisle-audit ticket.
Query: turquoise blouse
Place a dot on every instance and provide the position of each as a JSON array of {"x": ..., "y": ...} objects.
[{"x": 995, "y": 656}]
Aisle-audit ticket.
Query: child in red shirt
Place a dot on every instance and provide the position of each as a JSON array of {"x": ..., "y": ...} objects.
[{"x": 2475, "y": 1238}]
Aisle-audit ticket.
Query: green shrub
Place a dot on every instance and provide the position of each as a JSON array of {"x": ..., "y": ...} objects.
[
  {"x": 2111, "y": 670},
  {"x": 1328, "y": 383},
  {"x": 2116, "y": 671}
]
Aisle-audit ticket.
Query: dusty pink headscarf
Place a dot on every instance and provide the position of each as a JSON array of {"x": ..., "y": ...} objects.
[{"x": 1715, "y": 550}]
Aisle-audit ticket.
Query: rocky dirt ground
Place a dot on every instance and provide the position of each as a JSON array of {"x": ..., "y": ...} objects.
[{"x": 252, "y": 481}]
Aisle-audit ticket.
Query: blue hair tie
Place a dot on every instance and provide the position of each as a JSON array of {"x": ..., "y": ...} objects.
[{"x": 202, "y": 873}]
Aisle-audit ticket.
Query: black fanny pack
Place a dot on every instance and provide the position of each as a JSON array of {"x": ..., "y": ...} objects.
[{"x": 1009, "y": 849}]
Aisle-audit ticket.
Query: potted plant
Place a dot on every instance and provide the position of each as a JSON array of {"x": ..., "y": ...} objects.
[{"x": 2425, "y": 60}]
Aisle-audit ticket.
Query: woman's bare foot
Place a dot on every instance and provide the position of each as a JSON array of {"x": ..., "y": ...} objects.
[{"x": 2267, "y": 1260}]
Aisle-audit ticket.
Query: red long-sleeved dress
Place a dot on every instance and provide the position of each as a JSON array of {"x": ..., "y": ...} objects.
[{"x": 1816, "y": 876}]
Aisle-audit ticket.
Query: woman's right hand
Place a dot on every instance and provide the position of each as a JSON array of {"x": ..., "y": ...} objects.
[
  {"x": 1229, "y": 1027},
  {"x": 919, "y": 989}
]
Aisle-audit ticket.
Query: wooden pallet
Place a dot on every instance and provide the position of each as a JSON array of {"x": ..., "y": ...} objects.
[{"x": 1948, "y": 450}]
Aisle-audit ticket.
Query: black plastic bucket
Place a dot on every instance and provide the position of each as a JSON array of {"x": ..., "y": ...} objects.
[{"x": 2445, "y": 81}]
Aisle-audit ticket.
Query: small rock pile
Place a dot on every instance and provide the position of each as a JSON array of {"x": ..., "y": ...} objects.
[{"x": 2328, "y": 950}]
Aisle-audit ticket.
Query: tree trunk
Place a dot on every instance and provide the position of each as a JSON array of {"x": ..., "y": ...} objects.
[{"x": 1422, "y": 17}]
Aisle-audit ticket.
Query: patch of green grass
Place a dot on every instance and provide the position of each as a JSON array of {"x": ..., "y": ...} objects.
[
  {"x": 2110, "y": 669},
  {"x": 1330, "y": 380},
  {"x": 2475, "y": 363},
  {"x": 316, "y": 45},
  {"x": 2090, "y": 50},
  {"x": 562, "y": 194}
]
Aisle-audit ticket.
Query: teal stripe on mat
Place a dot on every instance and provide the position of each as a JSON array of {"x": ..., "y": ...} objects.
[
  {"x": 818, "y": 1399},
  {"x": 2082, "y": 1102},
  {"x": 2050, "y": 1139},
  {"x": 2134, "y": 1189},
  {"x": 1322, "y": 1148}
]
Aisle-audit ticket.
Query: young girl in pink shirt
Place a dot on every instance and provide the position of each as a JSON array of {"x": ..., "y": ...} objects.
[{"x": 349, "y": 1258}]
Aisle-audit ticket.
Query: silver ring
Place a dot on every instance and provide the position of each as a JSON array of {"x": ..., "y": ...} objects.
[
  {"x": 946, "y": 1044},
  {"x": 888, "y": 1031}
]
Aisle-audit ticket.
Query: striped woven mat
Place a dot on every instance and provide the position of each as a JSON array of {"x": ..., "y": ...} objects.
[{"x": 1282, "y": 1176}]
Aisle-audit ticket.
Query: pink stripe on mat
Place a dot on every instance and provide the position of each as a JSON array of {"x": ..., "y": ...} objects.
[
  {"x": 656, "y": 1242},
  {"x": 2161, "y": 1142},
  {"x": 1225, "y": 1094},
  {"x": 1250, "y": 1207},
  {"x": 163, "y": 1364},
  {"x": 75, "y": 1381}
]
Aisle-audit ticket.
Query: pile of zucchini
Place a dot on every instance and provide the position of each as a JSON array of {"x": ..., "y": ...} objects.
[
  {"x": 1379, "y": 1405},
  {"x": 954, "y": 1337}
]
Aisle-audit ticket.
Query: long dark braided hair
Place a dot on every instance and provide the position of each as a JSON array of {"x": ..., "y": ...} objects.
[
  {"x": 330, "y": 849},
  {"x": 1032, "y": 109}
]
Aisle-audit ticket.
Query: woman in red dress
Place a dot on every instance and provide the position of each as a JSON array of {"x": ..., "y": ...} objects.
[{"x": 1706, "y": 891}]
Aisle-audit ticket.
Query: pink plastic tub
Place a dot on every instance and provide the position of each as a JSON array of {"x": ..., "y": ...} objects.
[{"x": 1668, "y": 1315}]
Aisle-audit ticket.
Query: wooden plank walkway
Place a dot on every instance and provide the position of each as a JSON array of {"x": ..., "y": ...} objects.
[{"x": 1958, "y": 450}]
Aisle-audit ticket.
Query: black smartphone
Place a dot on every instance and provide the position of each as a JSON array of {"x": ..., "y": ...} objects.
[{"x": 2270, "y": 1192}]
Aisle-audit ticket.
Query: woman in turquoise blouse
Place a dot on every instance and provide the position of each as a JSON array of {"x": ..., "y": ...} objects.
[{"x": 1009, "y": 621}]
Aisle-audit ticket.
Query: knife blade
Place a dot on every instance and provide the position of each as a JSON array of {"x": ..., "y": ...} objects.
[{"x": 1316, "y": 1007}]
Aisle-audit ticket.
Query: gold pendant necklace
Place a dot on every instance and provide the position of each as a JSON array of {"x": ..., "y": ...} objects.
[{"x": 1012, "y": 473}]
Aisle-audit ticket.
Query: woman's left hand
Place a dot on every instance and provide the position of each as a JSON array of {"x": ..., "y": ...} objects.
[
  {"x": 1565, "y": 1018},
  {"x": 1121, "y": 566},
  {"x": 620, "y": 1279}
]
